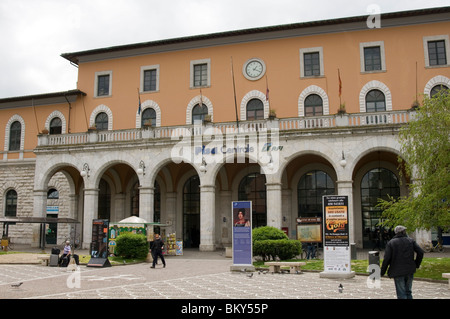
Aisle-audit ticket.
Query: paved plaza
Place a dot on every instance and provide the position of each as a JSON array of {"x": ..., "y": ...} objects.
[{"x": 193, "y": 276}]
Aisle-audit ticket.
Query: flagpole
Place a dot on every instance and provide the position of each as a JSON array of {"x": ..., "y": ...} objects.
[
  {"x": 139, "y": 96},
  {"x": 234, "y": 90},
  {"x": 340, "y": 88}
]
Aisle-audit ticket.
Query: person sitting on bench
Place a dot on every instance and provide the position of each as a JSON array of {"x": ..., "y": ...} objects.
[{"x": 65, "y": 257}]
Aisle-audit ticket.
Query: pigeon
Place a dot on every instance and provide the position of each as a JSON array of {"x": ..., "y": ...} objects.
[
  {"x": 340, "y": 288},
  {"x": 250, "y": 275},
  {"x": 17, "y": 285}
]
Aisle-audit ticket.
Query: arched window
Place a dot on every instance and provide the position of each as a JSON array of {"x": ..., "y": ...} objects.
[
  {"x": 199, "y": 112},
  {"x": 310, "y": 189},
  {"x": 313, "y": 105},
  {"x": 375, "y": 184},
  {"x": 56, "y": 126},
  {"x": 253, "y": 188},
  {"x": 148, "y": 117},
  {"x": 375, "y": 101},
  {"x": 436, "y": 89},
  {"x": 104, "y": 200},
  {"x": 255, "y": 110},
  {"x": 52, "y": 194},
  {"x": 101, "y": 121},
  {"x": 11, "y": 203},
  {"x": 191, "y": 212},
  {"x": 15, "y": 132}
]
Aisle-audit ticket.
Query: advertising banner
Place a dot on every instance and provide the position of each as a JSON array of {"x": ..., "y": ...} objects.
[
  {"x": 337, "y": 257},
  {"x": 242, "y": 233}
]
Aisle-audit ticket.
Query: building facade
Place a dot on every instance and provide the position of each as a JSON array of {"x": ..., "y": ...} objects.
[{"x": 175, "y": 130}]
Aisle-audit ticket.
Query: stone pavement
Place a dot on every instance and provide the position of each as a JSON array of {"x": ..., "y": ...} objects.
[{"x": 195, "y": 275}]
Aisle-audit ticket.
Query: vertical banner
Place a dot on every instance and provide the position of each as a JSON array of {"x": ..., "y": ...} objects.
[
  {"x": 242, "y": 233},
  {"x": 336, "y": 235}
]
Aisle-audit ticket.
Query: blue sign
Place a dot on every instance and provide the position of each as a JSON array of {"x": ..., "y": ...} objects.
[{"x": 242, "y": 233}]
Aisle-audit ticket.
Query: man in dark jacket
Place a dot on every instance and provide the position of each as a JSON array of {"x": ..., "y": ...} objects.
[
  {"x": 399, "y": 257},
  {"x": 157, "y": 247}
]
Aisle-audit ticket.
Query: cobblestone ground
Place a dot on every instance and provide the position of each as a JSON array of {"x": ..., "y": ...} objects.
[{"x": 192, "y": 279}]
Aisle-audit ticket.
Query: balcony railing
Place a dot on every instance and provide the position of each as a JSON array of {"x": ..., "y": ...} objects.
[{"x": 285, "y": 124}]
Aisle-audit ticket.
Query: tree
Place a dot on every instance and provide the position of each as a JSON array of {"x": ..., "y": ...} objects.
[{"x": 425, "y": 149}]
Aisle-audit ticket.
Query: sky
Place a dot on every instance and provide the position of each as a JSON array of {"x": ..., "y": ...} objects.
[{"x": 34, "y": 33}]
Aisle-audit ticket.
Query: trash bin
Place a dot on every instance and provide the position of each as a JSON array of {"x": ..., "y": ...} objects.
[{"x": 374, "y": 258}]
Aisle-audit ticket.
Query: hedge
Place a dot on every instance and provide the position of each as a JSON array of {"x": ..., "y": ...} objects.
[
  {"x": 129, "y": 245},
  {"x": 281, "y": 248}
]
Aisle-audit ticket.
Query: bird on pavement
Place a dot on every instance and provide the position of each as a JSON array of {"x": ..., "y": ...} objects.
[{"x": 17, "y": 285}]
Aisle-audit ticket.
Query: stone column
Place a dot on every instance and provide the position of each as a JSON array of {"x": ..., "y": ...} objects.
[
  {"x": 274, "y": 215},
  {"x": 170, "y": 214},
  {"x": 39, "y": 210},
  {"x": 207, "y": 218},
  {"x": 90, "y": 212},
  {"x": 345, "y": 188},
  {"x": 146, "y": 206}
]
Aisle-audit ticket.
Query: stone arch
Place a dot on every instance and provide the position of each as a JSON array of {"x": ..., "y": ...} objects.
[
  {"x": 254, "y": 94},
  {"x": 313, "y": 89},
  {"x": 371, "y": 86},
  {"x": 196, "y": 100},
  {"x": 99, "y": 109}
]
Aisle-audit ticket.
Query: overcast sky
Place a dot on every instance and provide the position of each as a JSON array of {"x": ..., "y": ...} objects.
[{"x": 34, "y": 33}]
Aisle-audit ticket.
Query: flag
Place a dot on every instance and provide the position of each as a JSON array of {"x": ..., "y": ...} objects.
[
  {"x": 340, "y": 83},
  {"x": 139, "y": 108},
  {"x": 267, "y": 90}
]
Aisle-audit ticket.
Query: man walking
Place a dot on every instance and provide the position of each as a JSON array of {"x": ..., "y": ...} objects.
[
  {"x": 399, "y": 257},
  {"x": 158, "y": 246}
]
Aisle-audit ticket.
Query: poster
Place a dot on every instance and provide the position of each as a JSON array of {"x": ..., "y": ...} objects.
[
  {"x": 242, "y": 233},
  {"x": 309, "y": 229},
  {"x": 337, "y": 257}
]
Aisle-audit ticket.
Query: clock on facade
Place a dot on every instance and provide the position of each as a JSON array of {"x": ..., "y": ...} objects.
[{"x": 254, "y": 69}]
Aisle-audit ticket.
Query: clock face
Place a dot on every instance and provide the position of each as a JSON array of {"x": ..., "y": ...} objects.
[{"x": 254, "y": 69}]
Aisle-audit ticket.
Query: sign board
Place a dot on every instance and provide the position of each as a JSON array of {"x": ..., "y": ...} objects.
[
  {"x": 337, "y": 259},
  {"x": 99, "y": 244},
  {"x": 242, "y": 233},
  {"x": 309, "y": 229}
]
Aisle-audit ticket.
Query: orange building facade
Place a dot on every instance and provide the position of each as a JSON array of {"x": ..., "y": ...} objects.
[{"x": 175, "y": 130}]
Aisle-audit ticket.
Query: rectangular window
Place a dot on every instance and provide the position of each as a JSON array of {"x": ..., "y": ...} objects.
[
  {"x": 103, "y": 83},
  {"x": 436, "y": 53},
  {"x": 150, "y": 80},
  {"x": 436, "y": 50},
  {"x": 312, "y": 64},
  {"x": 372, "y": 59},
  {"x": 200, "y": 75}
]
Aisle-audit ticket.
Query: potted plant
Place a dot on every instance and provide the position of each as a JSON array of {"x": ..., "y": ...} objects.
[
  {"x": 341, "y": 109},
  {"x": 272, "y": 114},
  {"x": 207, "y": 118}
]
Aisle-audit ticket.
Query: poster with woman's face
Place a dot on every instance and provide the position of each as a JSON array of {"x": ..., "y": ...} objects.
[{"x": 241, "y": 217}]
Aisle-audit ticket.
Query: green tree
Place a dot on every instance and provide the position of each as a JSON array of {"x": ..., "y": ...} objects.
[{"x": 425, "y": 149}]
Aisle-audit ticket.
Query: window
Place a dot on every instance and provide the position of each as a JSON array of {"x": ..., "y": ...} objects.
[
  {"x": 436, "y": 89},
  {"x": 200, "y": 73},
  {"x": 311, "y": 62},
  {"x": 253, "y": 188},
  {"x": 56, "y": 126},
  {"x": 148, "y": 116},
  {"x": 11, "y": 203},
  {"x": 199, "y": 112},
  {"x": 150, "y": 78},
  {"x": 103, "y": 83},
  {"x": 310, "y": 189},
  {"x": 255, "y": 110},
  {"x": 101, "y": 121},
  {"x": 52, "y": 194},
  {"x": 372, "y": 59},
  {"x": 191, "y": 212},
  {"x": 436, "y": 51},
  {"x": 372, "y": 56},
  {"x": 313, "y": 105},
  {"x": 15, "y": 133},
  {"x": 375, "y": 101}
]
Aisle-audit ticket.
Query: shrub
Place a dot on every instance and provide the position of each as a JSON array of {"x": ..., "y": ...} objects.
[
  {"x": 129, "y": 245},
  {"x": 281, "y": 248},
  {"x": 270, "y": 242},
  {"x": 268, "y": 232}
]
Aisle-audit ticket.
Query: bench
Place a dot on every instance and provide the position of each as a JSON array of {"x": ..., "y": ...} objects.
[
  {"x": 45, "y": 259},
  {"x": 294, "y": 267},
  {"x": 447, "y": 275}
]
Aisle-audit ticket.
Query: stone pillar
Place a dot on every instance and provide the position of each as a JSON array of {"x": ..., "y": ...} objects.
[
  {"x": 207, "y": 218},
  {"x": 345, "y": 188},
  {"x": 146, "y": 206},
  {"x": 170, "y": 215},
  {"x": 90, "y": 213},
  {"x": 39, "y": 210},
  {"x": 119, "y": 207},
  {"x": 274, "y": 215}
]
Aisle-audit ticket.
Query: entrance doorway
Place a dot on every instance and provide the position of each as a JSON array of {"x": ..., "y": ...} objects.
[{"x": 191, "y": 212}]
